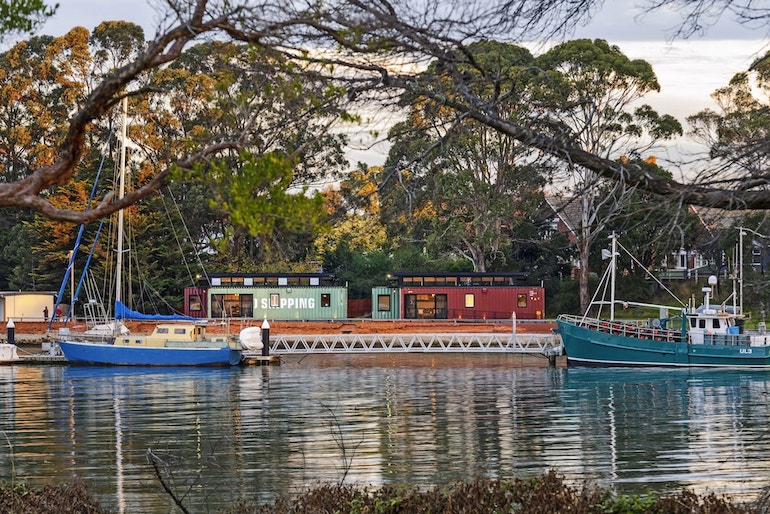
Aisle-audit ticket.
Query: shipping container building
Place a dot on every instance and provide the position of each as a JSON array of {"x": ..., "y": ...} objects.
[
  {"x": 271, "y": 296},
  {"x": 472, "y": 296}
]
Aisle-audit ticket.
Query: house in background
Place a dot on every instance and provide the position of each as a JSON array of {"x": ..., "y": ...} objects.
[
  {"x": 718, "y": 220},
  {"x": 682, "y": 264},
  {"x": 566, "y": 220}
]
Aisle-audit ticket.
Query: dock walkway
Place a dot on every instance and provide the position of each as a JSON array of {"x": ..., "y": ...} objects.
[
  {"x": 548, "y": 345},
  {"x": 545, "y": 344}
]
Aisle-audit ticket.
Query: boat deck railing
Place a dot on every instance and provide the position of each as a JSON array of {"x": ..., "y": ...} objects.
[{"x": 625, "y": 329}]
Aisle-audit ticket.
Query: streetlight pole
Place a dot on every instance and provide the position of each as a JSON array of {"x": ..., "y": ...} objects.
[{"x": 741, "y": 233}]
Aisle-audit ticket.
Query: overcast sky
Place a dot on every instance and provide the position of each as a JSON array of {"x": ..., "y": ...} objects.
[{"x": 688, "y": 70}]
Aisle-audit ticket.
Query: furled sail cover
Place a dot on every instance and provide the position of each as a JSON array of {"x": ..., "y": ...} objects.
[{"x": 123, "y": 312}]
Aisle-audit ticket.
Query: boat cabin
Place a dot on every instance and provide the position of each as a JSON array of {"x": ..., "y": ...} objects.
[
  {"x": 711, "y": 322},
  {"x": 172, "y": 334}
]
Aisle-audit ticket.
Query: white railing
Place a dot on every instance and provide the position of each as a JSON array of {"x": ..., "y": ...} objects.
[{"x": 545, "y": 344}]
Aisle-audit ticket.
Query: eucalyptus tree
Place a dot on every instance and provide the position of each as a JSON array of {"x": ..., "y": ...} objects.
[
  {"x": 38, "y": 88},
  {"x": 279, "y": 110},
  {"x": 590, "y": 94},
  {"x": 736, "y": 135},
  {"x": 362, "y": 47},
  {"x": 461, "y": 187}
]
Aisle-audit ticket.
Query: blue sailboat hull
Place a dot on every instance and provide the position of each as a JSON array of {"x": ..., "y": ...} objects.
[{"x": 118, "y": 355}]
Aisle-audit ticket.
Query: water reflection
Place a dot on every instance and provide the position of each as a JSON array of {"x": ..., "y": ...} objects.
[{"x": 224, "y": 434}]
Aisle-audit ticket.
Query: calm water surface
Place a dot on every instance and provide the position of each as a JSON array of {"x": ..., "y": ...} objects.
[{"x": 223, "y": 434}]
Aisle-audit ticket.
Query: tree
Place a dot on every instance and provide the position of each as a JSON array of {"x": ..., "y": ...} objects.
[
  {"x": 354, "y": 45},
  {"x": 259, "y": 202},
  {"x": 472, "y": 183},
  {"x": 22, "y": 16},
  {"x": 590, "y": 88}
]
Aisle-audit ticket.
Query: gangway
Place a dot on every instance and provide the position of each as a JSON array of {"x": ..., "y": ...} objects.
[{"x": 545, "y": 344}]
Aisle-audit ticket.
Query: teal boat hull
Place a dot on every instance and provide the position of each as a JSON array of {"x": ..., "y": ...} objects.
[{"x": 586, "y": 346}]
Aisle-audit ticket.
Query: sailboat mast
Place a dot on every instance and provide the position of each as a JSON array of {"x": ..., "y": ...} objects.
[{"x": 121, "y": 194}]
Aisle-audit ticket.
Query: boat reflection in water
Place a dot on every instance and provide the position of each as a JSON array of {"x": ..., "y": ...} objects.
[
  {"x": 701, "y": 429},
  {"x": 258, "y": 432}
]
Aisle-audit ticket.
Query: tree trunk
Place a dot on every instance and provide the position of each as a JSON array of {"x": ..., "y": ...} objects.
[{"x": 584, "y": 292}]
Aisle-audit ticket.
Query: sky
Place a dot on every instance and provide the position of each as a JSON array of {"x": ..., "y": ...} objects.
[{"x": 688, "y": 70}]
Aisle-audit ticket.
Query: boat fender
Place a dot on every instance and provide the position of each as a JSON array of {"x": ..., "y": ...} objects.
[{"x": 251, "y": 338}]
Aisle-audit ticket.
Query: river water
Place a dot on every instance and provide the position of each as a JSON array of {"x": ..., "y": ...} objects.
[{"x": 218, "y": 435}]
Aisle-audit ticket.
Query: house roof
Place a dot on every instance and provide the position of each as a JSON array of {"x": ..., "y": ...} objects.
[
  {"x": 568, "y": 211},
  {"x": 719, "y": 219}
]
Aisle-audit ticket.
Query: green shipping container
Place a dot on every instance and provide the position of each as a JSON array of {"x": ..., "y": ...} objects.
[
  {"x": 279, "y": 303},
  {"x": 385, "y": 303}
]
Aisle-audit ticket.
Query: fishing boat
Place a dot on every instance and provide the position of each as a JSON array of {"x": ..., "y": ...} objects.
[
  {"x": 178, "y": 341},
  {"x": 706, "y": 336}
]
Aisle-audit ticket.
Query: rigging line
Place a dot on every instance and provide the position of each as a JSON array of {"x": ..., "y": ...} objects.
[
  {"x": 651, "y": 275},
  {"x": 176, "y": 235},
  {"x": 189, "y": 238},
  {"x": 71, "y": 264}
]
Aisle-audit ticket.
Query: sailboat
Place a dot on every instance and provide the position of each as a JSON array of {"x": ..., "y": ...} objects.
[
  {"x": 706, "y": 336},
  {"x": 175, "y": 342}
]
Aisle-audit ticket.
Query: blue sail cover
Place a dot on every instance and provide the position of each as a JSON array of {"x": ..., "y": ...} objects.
[{"x": 123, "y": 312}]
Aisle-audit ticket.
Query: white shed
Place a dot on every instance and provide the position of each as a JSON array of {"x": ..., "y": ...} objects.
[{"x": 26, "y": 306}]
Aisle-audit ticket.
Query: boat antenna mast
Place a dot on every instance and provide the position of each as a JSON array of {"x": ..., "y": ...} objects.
[{"x": 613, "y": 273}]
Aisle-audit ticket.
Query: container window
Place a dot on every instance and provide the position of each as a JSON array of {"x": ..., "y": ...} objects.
[
  {"x": 195, "y": 302},
  {"x": 275, "y": 300},
  {"x": 521, "y": 301},
  {"x": 470, "y": 300},
  {"x": 383, "y": 303},
  {"x": 326, "y": 300}
]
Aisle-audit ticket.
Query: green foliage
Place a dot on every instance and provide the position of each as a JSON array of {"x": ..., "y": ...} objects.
[
  {"x": 361, "y": 271},
  {"x": 16, "y": 255},
  {"x": 256, "y": 195},
  {"x": 627, "y": 504},
  {"x": 561, "y": 297},
  {"x": 24, "y": 15}
]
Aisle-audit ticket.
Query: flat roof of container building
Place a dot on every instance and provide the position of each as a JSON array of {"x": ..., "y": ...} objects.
[
  {"x": 261, "y": 279},
  {"x": 469, "y": 278}
]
